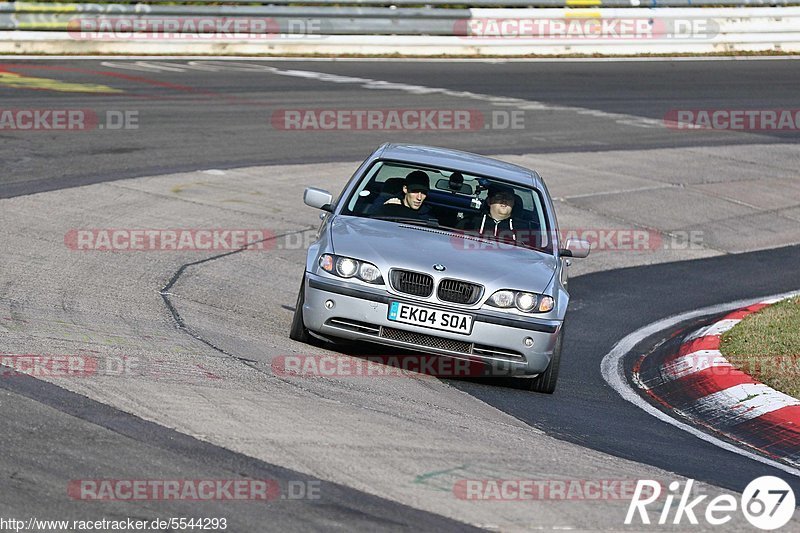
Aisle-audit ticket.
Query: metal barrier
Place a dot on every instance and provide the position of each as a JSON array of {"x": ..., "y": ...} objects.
[
  {"x": 424, "y": 27},
  {"x": 37, "y": 6}
]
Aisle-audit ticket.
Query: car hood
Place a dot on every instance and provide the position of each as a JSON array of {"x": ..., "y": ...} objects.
[{"x": 396, "y": 245}]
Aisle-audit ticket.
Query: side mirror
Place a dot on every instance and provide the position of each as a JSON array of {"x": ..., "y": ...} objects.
[
  {"x": 318, "y": 198},
  {"x": 577, "y": 248}
]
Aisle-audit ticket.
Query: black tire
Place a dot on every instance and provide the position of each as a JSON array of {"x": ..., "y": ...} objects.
[
  {"x": 546, "y": 381},
  {"x": 299, "y": 331}
]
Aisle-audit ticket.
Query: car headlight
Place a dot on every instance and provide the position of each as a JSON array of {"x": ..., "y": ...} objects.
[
  {"x": 527, "y": 302},
  {"x": 502, "y": 299},
  {"x": 368, "y": 272},
  {"x": 347, "y": 267}
]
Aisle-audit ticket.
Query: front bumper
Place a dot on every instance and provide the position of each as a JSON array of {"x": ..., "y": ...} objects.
[{"x": 362, "y": 314}]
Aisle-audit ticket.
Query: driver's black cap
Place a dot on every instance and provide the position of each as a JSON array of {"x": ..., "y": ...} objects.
[{"x": 417, "y": 181}]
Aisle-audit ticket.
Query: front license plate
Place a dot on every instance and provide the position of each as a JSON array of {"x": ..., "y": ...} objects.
[{"x": 430, "y": 318}]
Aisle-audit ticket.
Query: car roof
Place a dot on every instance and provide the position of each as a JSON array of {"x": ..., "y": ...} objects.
[{"x": 462, "y": 161}]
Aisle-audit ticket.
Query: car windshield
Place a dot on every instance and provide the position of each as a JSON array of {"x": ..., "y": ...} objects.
[{"x": 453, "y": 201}]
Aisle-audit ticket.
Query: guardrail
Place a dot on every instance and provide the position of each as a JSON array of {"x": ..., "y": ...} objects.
[
  {"x": 381, "y": 27},
  {"x": 100, "y": 6}
]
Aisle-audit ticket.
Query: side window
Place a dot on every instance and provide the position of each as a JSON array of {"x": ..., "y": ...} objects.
[
  {"x": 531, "y": 212},
  {"x": 540, "y": 221}
]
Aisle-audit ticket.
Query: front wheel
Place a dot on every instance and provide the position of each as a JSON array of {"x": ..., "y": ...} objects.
[
  {"x": 299, "y": 331},
  {"x": 546, "y": 381}
]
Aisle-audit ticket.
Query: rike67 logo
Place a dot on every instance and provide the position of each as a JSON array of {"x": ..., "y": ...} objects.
[{"x": 767, "y": 503}]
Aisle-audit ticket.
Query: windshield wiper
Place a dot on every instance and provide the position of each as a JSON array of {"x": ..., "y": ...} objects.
[{"x": 408, "y": 220}]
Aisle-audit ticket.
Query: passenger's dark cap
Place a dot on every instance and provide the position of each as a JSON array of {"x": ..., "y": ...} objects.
[
  {"x": 497, "y": 189},
  {"x": 417, "y": 181}
]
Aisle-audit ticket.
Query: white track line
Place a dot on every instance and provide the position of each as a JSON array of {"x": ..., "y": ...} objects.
[
  {"x": 715, "y": 329},
  {"x": 383, "y": 85},
  {"x": 614, "y": 374}
]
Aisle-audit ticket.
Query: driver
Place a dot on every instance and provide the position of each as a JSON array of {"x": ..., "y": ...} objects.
[{"x": 409, "y": 205}]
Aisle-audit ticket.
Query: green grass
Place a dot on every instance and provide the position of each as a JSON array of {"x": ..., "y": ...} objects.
[{"x": 766, "y": 345}]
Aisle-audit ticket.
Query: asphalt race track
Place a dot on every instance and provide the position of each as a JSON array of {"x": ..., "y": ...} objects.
[
  {"x": 193, "y": 119},
  {"x": 385, "y": 454}
]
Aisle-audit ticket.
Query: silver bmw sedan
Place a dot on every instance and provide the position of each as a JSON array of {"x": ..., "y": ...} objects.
[{"x": 444, "y": 253}]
